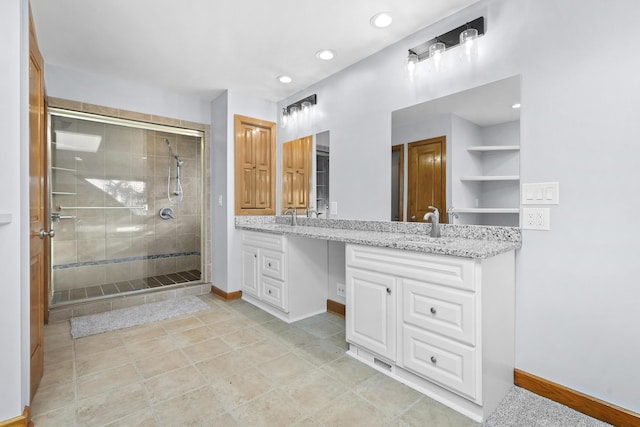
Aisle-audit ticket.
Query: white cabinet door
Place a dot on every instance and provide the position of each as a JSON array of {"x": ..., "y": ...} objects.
[
  {"x": 249, "y": 270},
  {"x": 371, "y": 313}
]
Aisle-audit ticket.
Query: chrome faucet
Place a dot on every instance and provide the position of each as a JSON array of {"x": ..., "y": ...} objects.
[
  {"x": 294, "y": 215},
  {"x": 435, "y": 221},
  {"x": 310, "y": 211}
]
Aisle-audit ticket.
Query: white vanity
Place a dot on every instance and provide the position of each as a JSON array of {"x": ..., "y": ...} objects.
[{"x": 437, "y": 315}]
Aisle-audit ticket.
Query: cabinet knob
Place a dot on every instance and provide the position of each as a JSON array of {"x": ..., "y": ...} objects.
[
  {"x": 269, "y": 291},
  {"x": 433, "y": 310},
  {"x": 388, "y": 290},
  {"x": 433, "y": 359},
  {"x": 255, "y": 255},
  {"x": 269, "y": 264}
]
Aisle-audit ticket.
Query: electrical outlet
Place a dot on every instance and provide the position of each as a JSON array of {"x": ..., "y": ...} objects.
[
  {"x": 536, "y": 219},
  {"x": 340, "y": 289}
]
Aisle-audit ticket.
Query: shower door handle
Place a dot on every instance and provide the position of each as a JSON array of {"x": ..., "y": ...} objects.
[{"x": 50, "y": 234}]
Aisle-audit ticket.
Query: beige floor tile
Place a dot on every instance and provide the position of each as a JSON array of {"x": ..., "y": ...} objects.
[
  {"x": 144, "y": 349},
  {"x": 161, "y": 363},
  {"x": 55, "y": 397},
  {"x": 319, "y": 351},
  {"x": 264, "y": 351},
  {"x": 197, "y": 408},
  {"x": 296, "y": 337},
  {"x": 429, "y": 412},
  {"x": 111, "y": 406},
  {"x": 142, "y": 333},
  {"x": 103, "y": 381},
  {"x": 58, "y": 355},
  {"x": 225, "y": 365},
  {"x": 225, "y": 420},
  {"x": 244, "y": 337},
  {"x": 92, "y": 363},
  {"x": 275, "y": 326},
  {"x": 315, "y": 390},
  {"x": 58, "y": 373},
  {"x": 271, "y": 409},
  {"x": 144, "y": 418},
  {"x": 206, "y": 349},
  {"x": 285, "y": 369},
  {"x": 65, "y": 416},
  {"x": 319, "y": 326},
  {"x": 349, "y": 371},
  {"x": 308, "y": 422},
  {"x": 231, "y": 325},
  {"x": 173, "y": 384},
  {"x": 241, "y": 388},
  {"x": 213, "y": 316},
  {"x": 181, "y": 324},
  {"x": 98, "y": 343},
  {"x": 191, "y": 336},
  {"x": 339, "y": 340},
  {"x": 351, "y": 410},
  {"x": 396, "y": 398},
  {"x": 53, "y": 342},
  {"x": 58, "y": 328}
]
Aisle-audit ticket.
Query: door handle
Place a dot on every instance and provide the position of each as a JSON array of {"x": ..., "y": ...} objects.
[
  {"x": 44, "y": 234},
  {"x": 413, "y": 217}
]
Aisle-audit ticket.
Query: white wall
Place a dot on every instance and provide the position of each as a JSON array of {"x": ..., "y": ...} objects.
[
  {"x": 97, "y": 89},
  {"x": 220, "y": 214},
  {"x": 14, "y": 245},
  {"x": 577, "y": 292}
]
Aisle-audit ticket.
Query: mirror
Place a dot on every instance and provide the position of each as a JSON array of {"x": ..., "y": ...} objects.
[{"x": 482, "y": 134}]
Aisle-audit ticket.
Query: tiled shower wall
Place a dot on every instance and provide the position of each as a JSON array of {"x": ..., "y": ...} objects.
[{"x": 130, "y": 168}]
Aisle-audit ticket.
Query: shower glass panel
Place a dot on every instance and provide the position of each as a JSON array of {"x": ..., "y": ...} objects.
[{"x": 126, "y": 203}]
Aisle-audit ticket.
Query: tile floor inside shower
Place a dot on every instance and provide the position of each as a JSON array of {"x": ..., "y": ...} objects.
[{"x": 127, "y": 286}]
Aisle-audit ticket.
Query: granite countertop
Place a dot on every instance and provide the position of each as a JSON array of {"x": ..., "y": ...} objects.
[{"x": 457, "y": 240}]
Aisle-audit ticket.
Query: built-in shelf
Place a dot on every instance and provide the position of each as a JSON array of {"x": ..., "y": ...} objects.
[
  {"x": 57, "y": 168},
  {"x": 5, "y": 218},
  {"x": 62, "y": 193},
  {"x": 487, "y": 210},
  {"x": 490, "y": 178},
  {"x": 485, "y": 148}
]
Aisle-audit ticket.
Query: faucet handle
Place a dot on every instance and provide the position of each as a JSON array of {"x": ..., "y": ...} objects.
[{"x": 435, "y": 210}]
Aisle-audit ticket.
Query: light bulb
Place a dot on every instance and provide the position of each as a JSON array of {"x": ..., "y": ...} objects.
[
  {"x": 306, "y": 107},
  {"x": 293, "y": 112},
  {"x": 436, "y": 52},
  {"x": 412, "y": 65},
  {"x": 468, "y": 44}
]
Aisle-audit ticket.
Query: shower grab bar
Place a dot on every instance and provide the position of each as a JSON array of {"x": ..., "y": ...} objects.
[{"x": 61, "y": 208}]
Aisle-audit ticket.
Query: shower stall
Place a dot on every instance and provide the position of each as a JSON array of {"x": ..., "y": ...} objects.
[{"x": 126, "y": 206}]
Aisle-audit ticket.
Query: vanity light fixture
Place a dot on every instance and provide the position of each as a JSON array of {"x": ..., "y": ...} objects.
[
  {"x": 292, "y": 112},
  {"x": 325, "y": 54},
  {"x": 381, "y": 20},
  {"x": 465, "y": 35}
]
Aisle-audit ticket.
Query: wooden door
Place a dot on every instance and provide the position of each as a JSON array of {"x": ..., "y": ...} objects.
[
  {"x": 427, "y": 178},
  {"x": 38, "y": 211},
  {"x": 296, "y": 173},
  {"x": 255, "y": 145}
]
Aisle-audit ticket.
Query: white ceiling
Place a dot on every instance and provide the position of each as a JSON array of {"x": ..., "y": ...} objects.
[{"x": 202, "y": 47}]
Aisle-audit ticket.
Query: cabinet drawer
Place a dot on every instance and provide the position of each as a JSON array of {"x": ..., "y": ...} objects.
[
  {"x": 272, "y": 264},
  {"x": 274, "y": 242},
  {"x": 448, "y": 363},
  {"x": 441, "y": 269},
  {"x": 274, "y": 293},
  {"x": 446, "y": 311}
]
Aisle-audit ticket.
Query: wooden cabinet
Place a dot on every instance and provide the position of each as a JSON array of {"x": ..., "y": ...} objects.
[
  {"x": 255, "y": 148},
  {"x": 296, "y": 173},
  {"x": 443, "y": 325},
  {"x": 285, "y": 276}
]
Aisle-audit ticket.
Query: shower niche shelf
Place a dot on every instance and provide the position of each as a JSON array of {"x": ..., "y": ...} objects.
[{"x": 62, "y": 193}]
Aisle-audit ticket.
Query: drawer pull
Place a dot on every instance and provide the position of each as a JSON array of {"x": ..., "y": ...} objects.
[
  {"x": 433, "y": 310},
  {"x": 433, "y": 359},
  {"x": 269, "y": 291},
  {"x": 388, "y": 290},
  {"x": 269, "y": 264}
]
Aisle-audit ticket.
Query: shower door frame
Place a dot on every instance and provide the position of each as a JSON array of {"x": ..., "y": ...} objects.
[{"x": 132, "y": 123}]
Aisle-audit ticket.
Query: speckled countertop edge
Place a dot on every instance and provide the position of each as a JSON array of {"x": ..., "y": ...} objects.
[{"x": 468, "y": 241}]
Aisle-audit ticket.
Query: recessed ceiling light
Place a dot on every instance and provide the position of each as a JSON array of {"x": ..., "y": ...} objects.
[
  {"x": 285, "y": 79},
  {"x": 381, "y": 20},
  {"x": 325, "y": 54},
  {"x": 515, "y": 106}
]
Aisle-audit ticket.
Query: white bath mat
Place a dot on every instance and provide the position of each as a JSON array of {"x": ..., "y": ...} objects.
[{"x": 126, "y": 317}]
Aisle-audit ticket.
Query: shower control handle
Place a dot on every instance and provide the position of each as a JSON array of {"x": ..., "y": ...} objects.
[{"x": 50, "y": 234}]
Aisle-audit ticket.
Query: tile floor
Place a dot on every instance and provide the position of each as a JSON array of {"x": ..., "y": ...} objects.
[
  {"x": 124, "y": 287},
  {"x": 232, "y": 365}
]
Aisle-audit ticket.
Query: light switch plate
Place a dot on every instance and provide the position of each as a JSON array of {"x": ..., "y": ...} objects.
[
  {"x": 536, "y": 219},
  {"x": 542, "y": 193}
]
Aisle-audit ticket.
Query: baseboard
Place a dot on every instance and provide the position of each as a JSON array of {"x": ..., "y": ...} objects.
[
  {"x": 23, "y": 420},
  {"x": 226, "y": 295},
  {"x": 336, "y": 308},
  {"x": 581, "y": 402}
]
